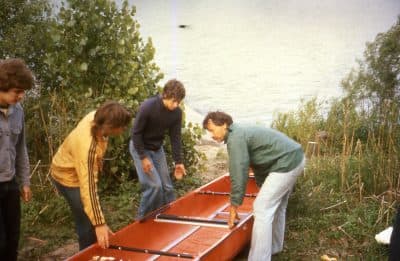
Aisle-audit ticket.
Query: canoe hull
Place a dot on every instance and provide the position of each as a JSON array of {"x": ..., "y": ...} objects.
[{"x": 158, "y": 239}]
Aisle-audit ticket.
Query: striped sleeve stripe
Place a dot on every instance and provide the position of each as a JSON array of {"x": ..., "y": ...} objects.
[{"x": 92, "y": 183}]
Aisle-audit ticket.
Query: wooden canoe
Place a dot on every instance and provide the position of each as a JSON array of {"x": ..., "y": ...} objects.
[{"x": 193, "y": 227}]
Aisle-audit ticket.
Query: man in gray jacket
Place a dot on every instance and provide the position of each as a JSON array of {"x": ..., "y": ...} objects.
[{"x": 15, "y": 79}]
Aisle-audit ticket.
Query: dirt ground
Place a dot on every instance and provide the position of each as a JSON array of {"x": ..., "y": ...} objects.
[
  {"x": 216, "y": 160},
  {"x": 215, "y": 165}
]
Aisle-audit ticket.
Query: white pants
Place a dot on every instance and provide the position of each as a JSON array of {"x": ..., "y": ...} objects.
[{"x": 269, "y": 214}]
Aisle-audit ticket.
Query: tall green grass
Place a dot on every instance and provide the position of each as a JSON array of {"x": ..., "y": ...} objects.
[
  {"x": 348, "y": 190},
  {"x": 359, "y": 150}
]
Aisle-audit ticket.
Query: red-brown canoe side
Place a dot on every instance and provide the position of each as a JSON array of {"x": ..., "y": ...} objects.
[{"x": 201, "y": 242}]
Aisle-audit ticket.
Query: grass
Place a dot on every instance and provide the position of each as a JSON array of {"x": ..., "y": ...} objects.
[
  {"x": 348, "y": 192},
  {"x": 324, "y": 221}
]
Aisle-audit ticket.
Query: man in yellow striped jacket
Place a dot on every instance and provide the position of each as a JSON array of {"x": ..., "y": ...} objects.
[{"x": 77, "y": 163}]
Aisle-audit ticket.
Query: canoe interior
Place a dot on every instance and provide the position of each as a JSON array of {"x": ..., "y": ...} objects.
[{"x": 200, "y": 242}]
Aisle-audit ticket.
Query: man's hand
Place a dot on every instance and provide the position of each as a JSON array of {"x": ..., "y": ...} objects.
[
  {"x": 102, "y": 233},
  {"x": 146, "y": 165},
  {"x": 233, "y": 215},
  {"x": 26, "y": 193},
  {"x": 179, "y": 171}
]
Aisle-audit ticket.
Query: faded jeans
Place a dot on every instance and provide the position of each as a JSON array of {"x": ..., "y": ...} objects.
[
  {"x": 157, "y": 188},
  {"x": 83, "y": 226},
  {"x": 269, "y": 214}
]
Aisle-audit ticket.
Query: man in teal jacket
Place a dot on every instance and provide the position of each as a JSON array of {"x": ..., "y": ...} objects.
[{"x": 276, "y": 160}]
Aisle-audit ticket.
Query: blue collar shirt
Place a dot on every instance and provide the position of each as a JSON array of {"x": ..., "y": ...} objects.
[{"x": 14, "y": 160}]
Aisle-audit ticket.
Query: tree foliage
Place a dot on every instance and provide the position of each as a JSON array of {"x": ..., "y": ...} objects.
[
  {"x": 374, "y": 88},
  {"x": 82, "y": 55},
  {"x": 24, "y": 30},
  {"x": 377, "y": 80},
  {"x": 97, "y": 52}
]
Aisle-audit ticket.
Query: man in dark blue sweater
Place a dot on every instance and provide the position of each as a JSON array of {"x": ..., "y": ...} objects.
[{"x": 157, "y": 115}]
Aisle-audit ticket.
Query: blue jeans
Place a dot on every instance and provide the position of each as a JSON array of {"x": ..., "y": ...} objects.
[
  {"x": 157, "y": 189},
  {"x": 10, "y": 220},
  {"x": 83, "y": 226}
]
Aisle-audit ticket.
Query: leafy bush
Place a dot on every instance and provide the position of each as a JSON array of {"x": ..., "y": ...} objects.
[{"x": 86, "y": 53}]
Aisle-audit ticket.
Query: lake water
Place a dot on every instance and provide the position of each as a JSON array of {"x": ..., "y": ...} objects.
[{"x": 254, "y": 58}]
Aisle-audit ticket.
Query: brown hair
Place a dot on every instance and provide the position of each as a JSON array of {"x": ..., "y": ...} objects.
[
  {"x": 174, "y": 89},
  {"x": 15, "y": 74},
  {"x": 111, "y": 113},
  {"x": 218, "y": 118}
]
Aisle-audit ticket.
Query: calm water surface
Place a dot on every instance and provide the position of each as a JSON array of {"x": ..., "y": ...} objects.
[{"x": 254, "y": 58}]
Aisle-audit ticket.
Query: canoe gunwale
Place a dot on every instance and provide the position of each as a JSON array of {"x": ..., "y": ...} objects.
[{"x": 152, "y": 251}]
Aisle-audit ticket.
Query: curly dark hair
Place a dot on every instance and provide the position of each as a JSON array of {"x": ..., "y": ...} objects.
[
  {"x": 218, "y": 118},
  {"x": 174, "y": 89},
  {"x": 15, "y": 74}
]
